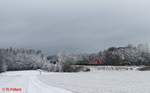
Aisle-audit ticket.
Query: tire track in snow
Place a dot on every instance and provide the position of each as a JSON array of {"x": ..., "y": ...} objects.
[
  {"x": 28, "y": 82},
  {"x": 36, "y": 86}
]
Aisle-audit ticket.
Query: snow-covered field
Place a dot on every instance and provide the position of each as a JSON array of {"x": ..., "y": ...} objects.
[
  {"x": 27, "y": 81},
  {"x": 82, "y": 82},
  {"x": 101, "y": 82}
]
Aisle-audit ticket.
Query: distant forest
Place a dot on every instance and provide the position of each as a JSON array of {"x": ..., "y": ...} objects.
[{"x": 30, "y": 59}]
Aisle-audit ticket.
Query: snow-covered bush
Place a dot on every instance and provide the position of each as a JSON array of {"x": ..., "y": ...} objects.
[
  {"x": 145, "y": 68},
  {"x": 74, "y": 68}
]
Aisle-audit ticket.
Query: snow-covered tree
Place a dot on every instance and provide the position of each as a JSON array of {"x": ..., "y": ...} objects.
[{"x": 3, "y": 65}]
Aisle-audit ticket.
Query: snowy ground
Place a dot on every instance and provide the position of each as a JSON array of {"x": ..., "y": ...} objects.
[
  {"x": 101, "y": 82},
  {"x": 27, "y": 81},
  {"x": 83, "y": 82}
]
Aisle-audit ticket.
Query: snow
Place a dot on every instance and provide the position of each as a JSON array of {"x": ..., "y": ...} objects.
[
  {"x": 28, "y": 82},
  {"x": 130, "y": 81},
  {"x": 101, "y": 81}
]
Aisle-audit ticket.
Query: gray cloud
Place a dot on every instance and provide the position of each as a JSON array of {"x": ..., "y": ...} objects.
[{"x": 73, "y": 25}]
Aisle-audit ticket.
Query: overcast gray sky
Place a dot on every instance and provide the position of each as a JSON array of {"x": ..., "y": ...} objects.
[{"x": 73, "y": 25}]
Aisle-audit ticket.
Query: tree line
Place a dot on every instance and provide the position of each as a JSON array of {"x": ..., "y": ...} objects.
[
  {"x": 117, "y": 56},
  {"x": 30, "y": 59},
  {"x": 21, "y": 59}
]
